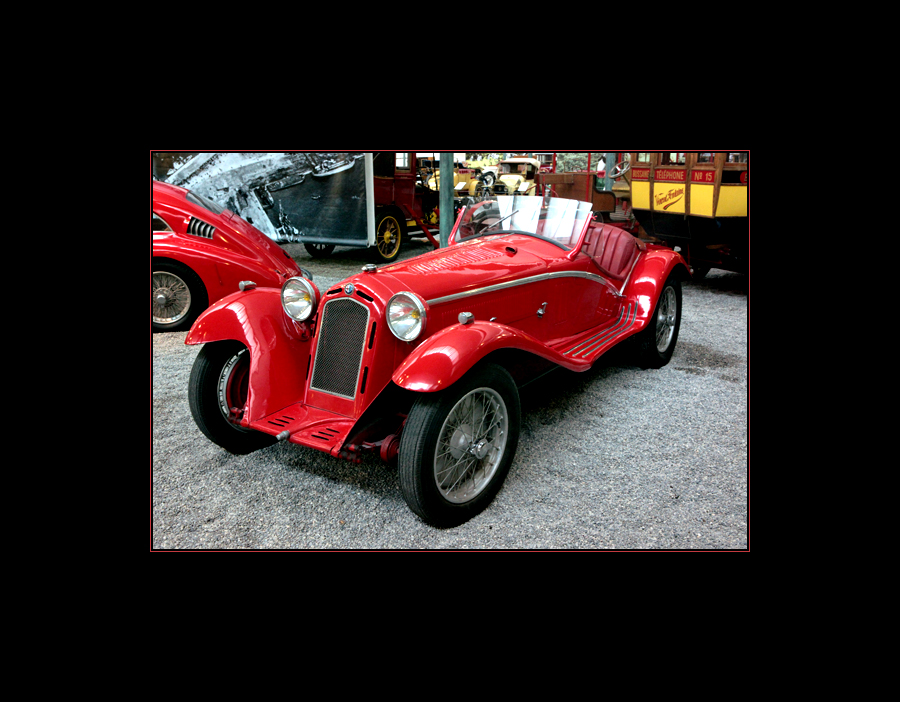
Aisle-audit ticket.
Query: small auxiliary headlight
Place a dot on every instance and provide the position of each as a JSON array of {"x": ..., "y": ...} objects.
[
  {"x": 406, "y": 316},
  {"x": 299, "y": 299}
]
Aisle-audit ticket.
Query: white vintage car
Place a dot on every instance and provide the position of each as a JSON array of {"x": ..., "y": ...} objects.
[{"x": 516, "y": 176}]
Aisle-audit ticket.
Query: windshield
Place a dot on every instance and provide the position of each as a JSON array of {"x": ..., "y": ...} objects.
[
  {"x": 555, "y": 219},
  {"x": 523, "y": 168},
  {"x": 203, "y": 202}
]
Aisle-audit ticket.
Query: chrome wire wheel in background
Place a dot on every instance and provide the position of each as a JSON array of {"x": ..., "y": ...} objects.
[
  {"x": 666, "y": 316},
  {"x": 171, "y": 298},
  {"x": 177, "y": 295},
  {"x": 470, "y": 445}
]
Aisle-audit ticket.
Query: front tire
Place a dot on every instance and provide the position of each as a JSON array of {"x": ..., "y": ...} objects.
[
  {"x": 656, "y": 344},
  {"x": 217, "y": 395},
  {"x": 458, "y": 445}
]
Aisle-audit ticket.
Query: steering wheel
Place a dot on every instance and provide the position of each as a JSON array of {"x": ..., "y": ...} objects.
[{"x": 620, "y": 169}]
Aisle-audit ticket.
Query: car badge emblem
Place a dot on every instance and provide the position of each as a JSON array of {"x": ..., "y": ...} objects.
[{"x": 348, "y": 288}]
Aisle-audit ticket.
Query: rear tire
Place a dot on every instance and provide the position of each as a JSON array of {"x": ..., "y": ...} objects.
[{"x": 656, "y": 344}]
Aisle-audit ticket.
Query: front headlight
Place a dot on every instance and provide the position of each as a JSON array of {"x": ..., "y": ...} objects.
[
  {"x": 406, "y": 316},
  {"x": 299, "y": 299}
]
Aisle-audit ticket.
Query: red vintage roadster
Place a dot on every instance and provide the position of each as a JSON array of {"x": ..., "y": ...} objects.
[
  {"x": 421, "y": 360},
  {"x": 202, "y": 252}
]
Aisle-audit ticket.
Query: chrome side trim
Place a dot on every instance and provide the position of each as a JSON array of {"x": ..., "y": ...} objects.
[
  {"x": 526, "y": 281},
  {"x": 624, "y": 323},
  {"x": 628, "y": 277}
]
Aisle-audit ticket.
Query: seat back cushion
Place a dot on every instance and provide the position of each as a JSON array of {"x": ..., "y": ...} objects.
[{"x": 612, "y": 248}]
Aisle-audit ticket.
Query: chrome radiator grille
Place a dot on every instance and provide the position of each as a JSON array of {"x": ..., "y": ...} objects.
[{"x": 342, "y": 334}]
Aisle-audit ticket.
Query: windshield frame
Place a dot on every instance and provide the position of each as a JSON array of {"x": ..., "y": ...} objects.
[{"x": 505, "y": 214}]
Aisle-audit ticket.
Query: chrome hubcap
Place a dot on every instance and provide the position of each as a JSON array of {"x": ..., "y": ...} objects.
[{"x": 171, "y": 298}]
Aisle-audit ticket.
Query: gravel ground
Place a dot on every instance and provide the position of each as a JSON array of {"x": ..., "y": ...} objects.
[{"x": 616, "y": 458}]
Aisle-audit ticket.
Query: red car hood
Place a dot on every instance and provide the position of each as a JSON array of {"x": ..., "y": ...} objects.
[
  {"x": 254, "y": 243},
  {"x": 466, "y": 266},
  {"x": 231, "y": 231}
]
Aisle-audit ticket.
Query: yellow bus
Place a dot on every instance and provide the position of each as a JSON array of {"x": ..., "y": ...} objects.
[{"x": 698, "y": 201}]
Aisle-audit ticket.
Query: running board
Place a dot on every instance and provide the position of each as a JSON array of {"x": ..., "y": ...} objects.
[{"x": 595, "y": 343}]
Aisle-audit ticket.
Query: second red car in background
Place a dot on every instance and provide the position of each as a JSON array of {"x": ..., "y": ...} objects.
[{"x": 203, "y": 252}]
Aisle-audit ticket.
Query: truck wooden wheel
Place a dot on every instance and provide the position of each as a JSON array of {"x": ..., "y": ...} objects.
[{"x": 389, "y": 236}]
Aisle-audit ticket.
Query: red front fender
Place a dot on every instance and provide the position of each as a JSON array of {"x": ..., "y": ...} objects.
[
  {"x": 444, "y": 358},
  {"x": 256, "y": 319}
]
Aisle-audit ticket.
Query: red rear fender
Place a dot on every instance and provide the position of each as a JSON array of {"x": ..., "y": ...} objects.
[{"x": 649, "y": 276}]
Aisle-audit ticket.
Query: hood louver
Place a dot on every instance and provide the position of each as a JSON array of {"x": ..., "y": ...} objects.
[{"x": 200, "y": 228}]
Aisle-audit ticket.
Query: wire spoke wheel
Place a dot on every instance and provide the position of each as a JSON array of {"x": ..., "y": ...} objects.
[
  {"x": 177, "y": 295},
  {"x": 656, "y": 343},
  {"x": 458, "y": 444},
  {"x": 666, "y": 316},
  {"x": 470, "y": 445},
  {"x": 170, "y": 298}
]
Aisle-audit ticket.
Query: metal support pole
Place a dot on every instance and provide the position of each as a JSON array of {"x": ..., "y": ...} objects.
[
  {"x": 610, "y": 163},
  {"x": 446, "y": 197},
  {"x": 587, "y": 194}
]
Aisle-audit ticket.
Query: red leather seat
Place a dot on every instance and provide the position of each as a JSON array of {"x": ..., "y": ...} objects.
[{"x": 613, "y": 249}]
